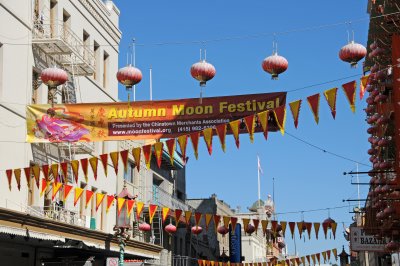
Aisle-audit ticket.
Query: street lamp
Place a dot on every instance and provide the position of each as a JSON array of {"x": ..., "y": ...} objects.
[
  {"x": 123, "y": 224},
  {"x": 344, "y": 258}
]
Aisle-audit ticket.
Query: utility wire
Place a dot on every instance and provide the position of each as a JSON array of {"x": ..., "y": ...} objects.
[
  {"x": 324, "y": 83},
  {"x": 317, "y": 210}
]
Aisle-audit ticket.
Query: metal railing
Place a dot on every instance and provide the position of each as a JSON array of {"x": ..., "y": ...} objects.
[
  {"x": 62, "y": 215},
  {"x": 163, "y": 198}
]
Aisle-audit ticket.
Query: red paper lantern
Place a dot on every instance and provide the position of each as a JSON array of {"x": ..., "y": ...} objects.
[
  {"x": 392, "y": 246},
  {"x": 352, "y": 53},
  {"x": 196, "y": 230},
  {"x": 222, "y": 230},
  {"x": 53, "y": 76},
  {"x": 275, "y": 65},
  {"x": 145, "y": 227},
  {"x": 129, "y": 76},
  {"x": 203, "y": 72},
  {"x": 170, "y": 229},
  {"x": 250, "y": 229},
  {"x": 329, "y": 221}
]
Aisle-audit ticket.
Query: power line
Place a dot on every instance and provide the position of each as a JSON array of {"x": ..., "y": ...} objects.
[
  {"x": 316, "y": 210},
  {"x": 324, "y": 83}
]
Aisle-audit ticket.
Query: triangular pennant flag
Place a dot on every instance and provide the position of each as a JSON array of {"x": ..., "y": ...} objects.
[
  {"x": 182, "y": 141},
  {"x": 233, "y": 223},
  {"x": 256, "y": 223},
  {"x": 250, "y": 125},
  {"x": 124, "y": 159},
  {"x": 363, "y": 85},
  {"x": 221, "y": 132},
  {"x": 54, "y": 172},
  {"x": 120, "y": 204},
  {"x": 75, "y": 167},
  {"x": 246, "y": 222},
  {"x": 136, "y": 156},
  {"x": 114, "y": 159},
  {"x": 84, "y": 166},
  {"x": 178, "y": 214},
  {"x": 93, "y": 164},
  {"x": 165, "y": 212},
  {"x": 56, "y": 188},
  {"x": 152, "y": 212},
  {"x": 64, "y": 169},
  {"x": 217, "y": 219},
  {"x": 89, "y": 195},
  {"x": 280, "y": 117},
  {"x": 313, "y": 102},
  {"x": 330, "y": 96},
  {"x": 67, "y": 190},
  {"x": 188, "y": 215},
  {"x": 17, "y": 174},
  {"x": 292, "y": 225},
  {"x": 226, "y": 220},
  {"x": 303, "y": 260},
  {"x": 110, "y": 200},
  {"x": 104, "y": 162},
  {"x": 200, "y": 262},
  {"x": 309, "y": 228},
  {"x": 45, "y": 184},
  {"x": 27, "y": 171},
  {"x": 158, "y": 149},
  {"x": 78, "y": 194},
  {"x": 297, "y": 261},
  {"x": 283, "y": 225},
  {"x": 316, "y": 229},
  {"x": 36, "y": 174},
  {"x": 45, "y": 170},
  {"x": 334, "y": 251},
  {"x": 208, "y": 218},
  {"x": 295, "y": 109},
  {"x": 333, "y": 228},
  {"x": 263, "y": 120},
  {"x": 300, "y": 228},
  {"x": 194, "y": 137},
  {"x": 208, "y": 136},
  {"x": 197, "y": 218},
  {"x": 324, "y": 256},
  {"x": 325, "y": 228},
  {"x": 129, "y": 205},
  {"x": 99, "y": 199},
  {"x": 139, "y": 209},
  {"x": 318, "y": 255},
  {"x": 293, "y": 261},
  {"x": 147, "y": 154},
  {"x": 308, "y": 259},
  {"x": 328, "y": 254},
  {"x": 234, "y": 125},
  {"x": 313, "y": 258},
  {"x": 171, "y": 149},
  {"x": 264, "y": 224},
  {"x": 350, "y": 92}
]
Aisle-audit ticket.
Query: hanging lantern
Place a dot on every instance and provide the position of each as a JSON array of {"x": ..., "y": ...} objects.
[
  {"x": 53, "y": 76},
  {"x": 392, "y": 246},
  {"x": 129, "y": 76},
  {"x": 329, "y": 221},
  {"x": 145, "y": 227},
  {"x": 170, "y": 229},
  {"x": 275, "y": 65},
  {"x": 373, "y": 45},
  {"x": 222, "y": 230},
  {"x": 203, "y": 72},
  {"x": 250, "y": 229},
  {"x": 352, "y": 53},
  {"x": 196, "y": 230}
]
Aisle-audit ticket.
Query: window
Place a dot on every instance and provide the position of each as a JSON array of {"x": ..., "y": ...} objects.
[
  {"x": 66, "y": 24},
  {"x": 96, "y": 49},
  {"x": 105, "y": 70},
  {"x": 129, "y": 175},
  {"x": 86, "y": 44}
]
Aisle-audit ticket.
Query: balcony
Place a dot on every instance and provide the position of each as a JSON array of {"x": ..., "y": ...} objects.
[
  {"x": 76, "y": 147},
  {"x": 64, "y": 46},
  {"x": 163, "y": 198}
]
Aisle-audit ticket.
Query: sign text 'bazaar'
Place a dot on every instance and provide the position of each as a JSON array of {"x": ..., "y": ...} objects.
[{"x": 359, "y": 241}]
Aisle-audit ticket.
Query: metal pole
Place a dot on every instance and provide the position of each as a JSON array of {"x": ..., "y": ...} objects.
[
  {"x": 121, "y": 250},
  {"x": 258, "y": 175}
]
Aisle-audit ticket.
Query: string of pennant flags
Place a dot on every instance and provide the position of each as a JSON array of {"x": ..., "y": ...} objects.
[{"x": 257, "y": 119}]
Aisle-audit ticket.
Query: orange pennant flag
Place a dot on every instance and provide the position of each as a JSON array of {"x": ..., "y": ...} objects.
[
  {"x": 99, "y": 199},
  {"x": 178, "y": 214},
  {"x": 152, "y": 212},
  {"x": 333, "y": 228},
  {"x": 64, "y": 169},
  {"x": 197, "y": 218},
  {"x": 316, "y": 229},
  {"x": 114, "y": 159},
  {"x": 104, "y": 162},
  {"x": 256, "y": 222},
  {"x": 158, "y": 149},
  {"x": 139, "y": 209},
  {"x": 147, "y": 154},
  {"x": 110, "y": 200},
  {"x": 84, "y": 166},
  {"x": 54, "y": 172},
  {"x": 45, "y": 170},
  {"x": 27, "y": 171},
  {"x": 194, "y": 137},
  {"x": 330, "y": 97},
  {"x": 246, "y": 222},
  {"x": 45, "y": 184},
  {"x": 313, "y": 102},
  {"x": 234, "y": 125},
  {"x": 283, "y": 225},
  {"x": 36, "y": 174},
  {"x": 363, "y": 85},
  {"x": 129, "y": 205},
  {"x": 233, "y": 223},
  {"x": 250, "y": 125},
  {"x": 120, "y": 205},
  {"x": 75, "y": 167},
  {"x": 334, "y": 251},
  {"x": 300, "y": 228},
  {"x": 56, "y": 188},
  {"x": 17, "y": 174},
  {"x": 217, "y": 219},
  {"x": 208, "y": 218},
  {"x": 188, "y": 215},
  {"x": 292, "y": 225},
  {"x": 226, "y": 220},
  {"x": 280, "y": 117},
  {"x": 93, "y": 164},
  {"x": 295, "y": 109},
  {"x": 78, "y": 194},
  {"x": 89, "y": 195},
  {"x": 350, "y": 92},
  {"x": 221, "y": 132},
  {"x": 124, "y": 159},
  {"x": 136, "y": 156},
  {"x": 67, "y": 190},
  {"x": 263, "y": 120},
  {"x": 165, "y": 212},
  {"x": 182, "y": 141},
  {"x": 171, "y": 149},
  {"x": 208, "y": 136},
  {"x": 264, "y": 224}
]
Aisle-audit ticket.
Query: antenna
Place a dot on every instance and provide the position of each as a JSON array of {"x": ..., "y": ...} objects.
[{"x": 151, "y": 85}]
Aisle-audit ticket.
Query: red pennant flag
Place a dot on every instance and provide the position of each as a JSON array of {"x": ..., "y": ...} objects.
[
  {"x": 152, "y": 212},
  {"x": 45, "y": 184},
  {"x": 330, "y": 96},
  {"x": 89, "y": 195},
  {"x": 283, "y": 225},
  {"x": 147, "y": 154},
  {"x": 93, "y": 164},
  {"x": 309, "y": 228},
  {"x": 250, "y": 125},
  {"x": 136, "y": 155},
  {"x": 9, "y": 177},
  {"x": 110, "y": 200},
  {"x": 280, "y": 117},
  {"x": 221, "y": 132},
  {"x": 129, "y": 206},
  {"x": 292, "y": 226},
  {"x": 217, "y": 219},
  {"x": 17, "y": 174},
  {"x": 158, "y": 149},
  {"x": 234, "y": 125},
  {"x": 264, "y": 224},
  {"x": 333, "y": 228},
  {"x": 295, "y": 109},
  {"x": 208, "y": 136},
  {"x": 104, "y": 162},
  {"x": 328, "y": 254},
  {"x": 84, "y": 166},
  {"x": 233, "y": 223},
  {"x": 114, "y": 159},
  {"x": 75, "y": 167},
  {"x": 308, "y": 259},
  {"x": 67, "y": 190},
  {"x": 274, "y": 225},
  {"x": 316, "y": 229},
  {"x": 171, "y": 149},
  {"x": 54, "y": 172},
  {"x": 45, "y": 170},
  {"x": 256, "y": 222},
  {"x": 197, "y": 217},
  {"x": 182, "y": 141},
  {"x": 263, "y": 120},
  {"x": 363, "y": 85},
  {"x": 350, "y": 91},
  {"x": 313, "y": 102},
  {"x": 178, "y": 214},
  {"x": 64, "y": 169},
  {"x": 325, "y": 228},
  {"x": 124, "y": 158},
  {"x": 36, "y": 174},
  {"x": 300, "y": 227},
  {"x": 194, "y": 137},
  {"x": 27, "y": 171}
]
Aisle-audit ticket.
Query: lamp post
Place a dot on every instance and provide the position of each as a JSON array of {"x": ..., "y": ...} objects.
[{"x": 123, "y": 225}]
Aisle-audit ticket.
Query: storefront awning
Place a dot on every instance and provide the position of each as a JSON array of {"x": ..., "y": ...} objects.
[{"x": 29, "y": 234}]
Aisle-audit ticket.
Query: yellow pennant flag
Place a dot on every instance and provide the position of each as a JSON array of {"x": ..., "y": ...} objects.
[
  {"x": 182, "y": 141},
  {"x": 75, "y": 169},
  {"x": 208, "y": 135},
  {"x": 303, "y": 260},
  {"x": 324, "y": 255},
  {"x": 78, "y": 194},
  {"x": 246, "y": 222},
  {"x": 158, "y": 148},
  {"x": 208, "y": 218},
  {"x": 333, "y": 228},
  {"x": 165, "y": 212},
  {"x": 235, "y": 131},
  {"x": 136, "y": 156},
  {"x": 313, "y": 258},
  {"x": 36, "y": 174},
  {"x": 17, "y": 174},
  {"x": 221, "y": 132},
  {"x": 226, "y": 220},
  {"x": 54, "y": 171},
  {"x": 56, "y": 188},
  {"x": 114, "y": 159},
  {"x": 295, "y": 109},
  {"x": 99, "y": 199},
  {"x": 316, "y": 229},
  {"x": 194, "y": 137},
  {"x": 330, "y": 97},
  {"x": 170, "y": 143},
  {"x": 334, "y": 251},
  {"x": 120, "y": 204},
  {"x": 250, "y": 125},
  {"x": 139, "y": 209},
  {"x": 264, "y": 224},
  {"x": 188, "y": 215},
  {"x": 93, "y": 164},
  {"x": 283, "y": 225},
  {"x": 263, "y": 120}
]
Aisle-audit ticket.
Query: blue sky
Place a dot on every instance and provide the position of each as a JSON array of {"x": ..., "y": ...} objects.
[{"x": 305, "y": 178}]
